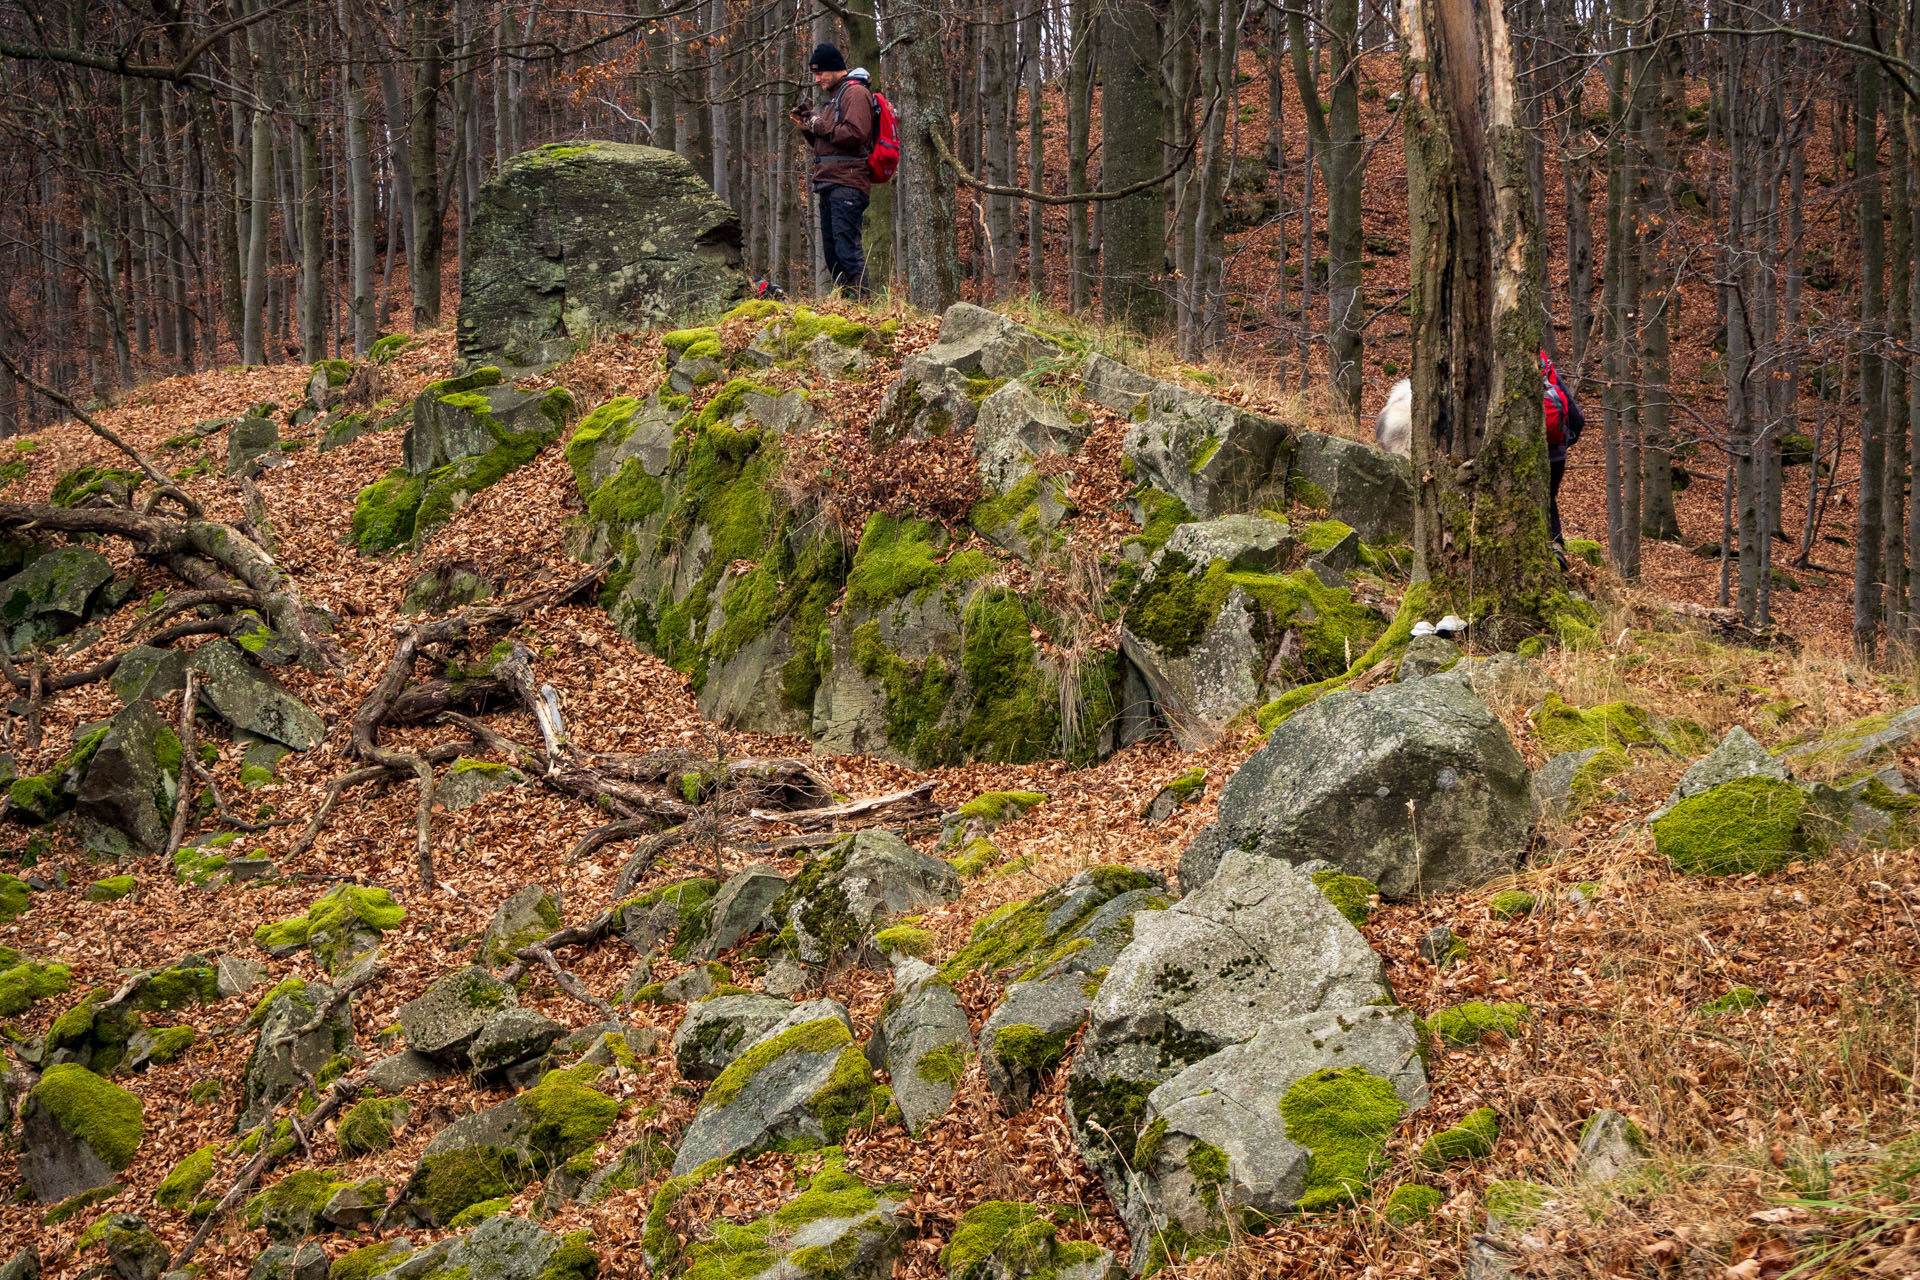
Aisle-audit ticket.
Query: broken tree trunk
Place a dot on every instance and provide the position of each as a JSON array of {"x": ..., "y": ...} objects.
[{"x": 1479, "y": 439}]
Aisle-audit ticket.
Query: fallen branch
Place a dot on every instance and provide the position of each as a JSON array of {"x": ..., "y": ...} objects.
[
  {"x": 357, "y": 777},
  {"x": 918, "y": 797},
  {"x": 182, "y": 795},
  {"x": 568, "y": 983}
]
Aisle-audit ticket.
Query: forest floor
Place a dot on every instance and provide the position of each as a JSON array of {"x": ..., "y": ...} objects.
[{"x": 1781, "y": 1135}]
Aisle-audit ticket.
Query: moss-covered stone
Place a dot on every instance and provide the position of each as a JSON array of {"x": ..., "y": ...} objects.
[
  {"x": 1472, "y": 1139},
  {"x": 370, "y": 1260},
  {"x": 368, "y": 1126},
  {"x": 1509, "y": 904},
  {"x": 1343, "y": 1117},
  {"x": 342, "y": 923},
  {"x": 979, "y": 854},
  {"x": 1018, "y": 934},
  {"x": 1001, "y": 806},
  {"x": 847, "y": 1095},
  {"x": 1613, "y": 724},
  {"x": 1736, "y": 1000},
  {"x": 107, "y": 1118},
  {"x": 111, "y": 889},
  {"x": 1351, "y": 895},
  {"x": 1411, "y": 1203},
  {"x": 1747, "y": 825},
  {"x": 383, "y": 514},
  {"x": 30, "y": 981},
  {"x": 169, "y": 1043},
  {"x": 1472, "y": 1022},
  {"x": 904, "y": 939},
  {"x": 181, "y": 1188}
]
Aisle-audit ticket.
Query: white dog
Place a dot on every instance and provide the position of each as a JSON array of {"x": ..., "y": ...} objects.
[{"x": 1393, "y": 425}]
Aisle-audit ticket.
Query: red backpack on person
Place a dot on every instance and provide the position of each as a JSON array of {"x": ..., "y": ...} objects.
[
  {"x": 884, "y": 160},
  {"x": 1565, "y": 422}
]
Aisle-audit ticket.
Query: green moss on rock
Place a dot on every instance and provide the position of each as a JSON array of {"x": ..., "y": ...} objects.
[
  {"x": 1472, "y": 1022},
  {"x": 1001, "y": 806},
  {"x": 1343, "y": 1117},
  {"x": 1736, "y": 1000},
  {"x": 383, "y": 514},
  {"x": 1472, "y": 1139},
  {"x": 1511, "y": 903},
  {"x": 181, "y": 1188},
  {"x": 111, "y": 889},
  {"x": 1747, "y": 825},
  {"x": 905, "y": 940},
  {"x": 99, "y": 1113},
  {"x": 1351, "y": 895},
  {"x": 30, "y": 981},
  {"x": 368, "y": 1126}
]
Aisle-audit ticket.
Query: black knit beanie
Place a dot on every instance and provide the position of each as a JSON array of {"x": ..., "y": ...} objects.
[{"x": 826, "y": 58}]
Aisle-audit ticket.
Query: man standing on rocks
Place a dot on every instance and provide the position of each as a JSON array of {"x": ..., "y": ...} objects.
[{"x": 841, "y": 134}]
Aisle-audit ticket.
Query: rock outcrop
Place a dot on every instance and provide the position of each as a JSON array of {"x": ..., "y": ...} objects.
[{"x": 574, "y": 238}]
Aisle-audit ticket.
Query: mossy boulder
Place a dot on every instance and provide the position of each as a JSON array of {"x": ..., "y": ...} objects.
[
  {"x": 369, "y": 1124},
  {"x": 498, "y": 1247},
  {"x": 469, "y": 781},
  {"x": 285, "y": 1057},
  {"x": 1472, "y": 1139},
  {"x": 1015, "y": 1240},
  {"x": 924, "y": 1041},
  {"x": 1472, "y": 1022},
  {"x": 715, "y": 1032},
  {"x": 1257, "y": 944},
  {"x": 30, "y": 981},
  {"x": 741, "y": 908},
  {"x": 807, "y": 1084},
  {"x": 512, "y": 1037},
  {"x": 252, "y": 701},
  {"x": 52, "y": 595},
  {"x": 497, "y": 1151},
  {"x": 836, "y": 1226},
  {"x": 1337, "y": 785},
  {"x": 1058, "y": 947},
  {"x": 939, "y": 390},
  {"x": 843, "y": 895},
  {"x": 527, "y": 916},
  {"x": 290, "y": 1209},
  {"x": 1361, "y": 486},
  {"x": 1216, "y": 458},
  {"x": 1749, "y": 824},
  {"x": 1295, "y": 1119},
  {"x": 575, "y": 239},
  {"x": 1013, "y": 427},
  {"x": 677, "y": 915},
  {"x": 1212, "y": 641},
  {"x": 459, "y": 443},
  {"x": 78, "y": 1131},
  {"x": 343, "y": 924},
  {"x": 124, "y": 803},
  {"x": 180, "y": 1189},
  {"x": 248, "y": 439},
  {"x": 443, "y": 1022}
]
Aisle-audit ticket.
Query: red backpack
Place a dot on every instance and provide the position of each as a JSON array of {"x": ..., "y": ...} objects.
[{"x": 884, "y": 159}]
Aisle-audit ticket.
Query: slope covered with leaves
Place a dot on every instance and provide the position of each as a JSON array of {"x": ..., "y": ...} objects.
[{"x": 1776, "y": 1130}]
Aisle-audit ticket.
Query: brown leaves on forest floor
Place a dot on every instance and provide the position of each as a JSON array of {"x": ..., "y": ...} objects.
[{"x": 1744, "y": 1110}]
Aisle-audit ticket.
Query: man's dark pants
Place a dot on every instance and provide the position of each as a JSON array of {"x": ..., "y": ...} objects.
[
  {"x": 1556, "y": 471},
  {"x": 841, "y": 211}
]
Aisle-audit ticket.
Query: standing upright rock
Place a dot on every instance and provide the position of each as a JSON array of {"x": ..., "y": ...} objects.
[
  {"x": 78, "y": 1130},
  {"x": 572, "y": 238}
]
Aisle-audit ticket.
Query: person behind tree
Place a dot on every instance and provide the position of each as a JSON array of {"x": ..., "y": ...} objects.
[
  {"x": 1393, "y": 431},
  {"x": 841, "y": 134}
]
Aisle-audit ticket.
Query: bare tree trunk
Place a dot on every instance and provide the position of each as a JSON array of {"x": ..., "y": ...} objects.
[
  {"x": 932, "y": 236},
  {"x": 423, "y": 130},
  {"x": 1873, "y": 444},
  {"x": 1133, "y": 230},
  {"x": 1079, "y": 112},
  {"x": 1335, "y": 132},
  {"x": 1479, "y": 444}
]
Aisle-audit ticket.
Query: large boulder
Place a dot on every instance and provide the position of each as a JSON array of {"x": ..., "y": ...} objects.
[
  {"x": 717, "y": 1031},
  {"x": 77, "y": 1131},
  {"x": 742, "y": 908},
  {"x": 450, "y": 426},
  {"x": 940, "y": 390},
  {"x": 443, "y": 1022},
  {"x": 487, "y": 1154},
  {"x": 837, "y": 1226},
  {"x": 1257, "y": 944},
  {"x": 527, "y": 916},
  {"x": 1014, "y": 427},
  {"x": 1213, "y": 637},
  {"x": 1214, "y": 457},
  {"x": 841, "y": 897},
  {"x": 125, "y": 801},
  {"x": 1014, "y": 1240},
  {"x": 1415, "y": 787},
  {"x": 286, "y": 1056},
  {"x": 52, "y": 595},
  {"x": 250, "y": 700},
  {"x": 1294, "y": 1119},
  {"x": 924, "y": 1041},
  {"x": 808, "y": 1082},
  {"x": 573, "y": 239},
  {"x": 1357, "y": 484}
]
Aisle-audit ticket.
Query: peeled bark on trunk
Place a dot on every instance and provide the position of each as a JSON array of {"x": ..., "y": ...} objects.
[
  {"x": 1479, "y": 438},
  {"x": 932, "y": 231}
]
